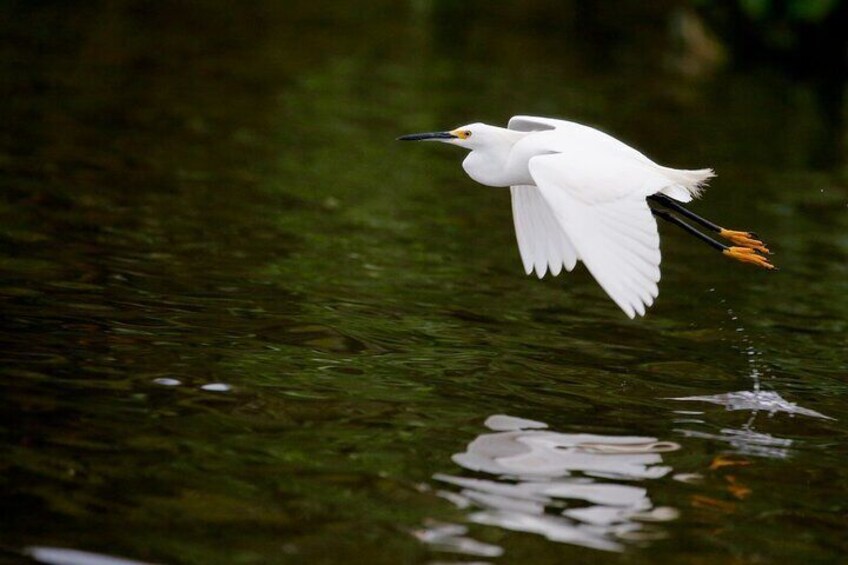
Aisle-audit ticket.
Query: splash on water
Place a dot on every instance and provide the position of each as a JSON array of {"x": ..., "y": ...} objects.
[
  {"x": 746, "y": 441},
  {"x": 756, "y": 401}
]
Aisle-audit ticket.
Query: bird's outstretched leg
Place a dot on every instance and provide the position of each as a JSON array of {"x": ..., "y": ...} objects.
[
  {"x": 740, "y": 253},
  {"x": 742, "y": 239}
]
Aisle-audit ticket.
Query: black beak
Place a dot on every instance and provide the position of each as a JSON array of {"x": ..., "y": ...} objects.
[{"x": 427, "y": 136}]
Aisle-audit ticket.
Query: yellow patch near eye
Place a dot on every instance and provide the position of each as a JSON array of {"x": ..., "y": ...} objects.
[{"x": 461, "y": 133}]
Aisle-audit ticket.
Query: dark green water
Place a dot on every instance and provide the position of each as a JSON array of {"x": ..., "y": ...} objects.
[{"x": 212, "y": 195}]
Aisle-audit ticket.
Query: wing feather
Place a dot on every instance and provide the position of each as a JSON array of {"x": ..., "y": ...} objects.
[
  {"x": 522, "y": 231},
  {"x": 542, "y": 242},
  {"x": 634, "y": 273},
  {"x": 599, "y": 202}
]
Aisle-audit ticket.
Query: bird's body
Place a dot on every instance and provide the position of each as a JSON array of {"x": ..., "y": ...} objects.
[
  {"x": 580, "y": 194},
  {"x": 506, "y": 162}
]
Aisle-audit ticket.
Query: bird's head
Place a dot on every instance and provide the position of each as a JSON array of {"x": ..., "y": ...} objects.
[{"x": 472, "y": 136}]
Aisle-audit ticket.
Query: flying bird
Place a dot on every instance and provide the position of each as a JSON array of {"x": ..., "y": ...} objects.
[{"x": 579, "y": 194}]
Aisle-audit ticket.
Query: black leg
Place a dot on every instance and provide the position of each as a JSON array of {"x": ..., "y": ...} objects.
[
  {"x": 740, "y": 253},
  {"x": 689, "y": 229},
  {"x": 740, "y": 238},
  {"x": 677, "y": 207}
]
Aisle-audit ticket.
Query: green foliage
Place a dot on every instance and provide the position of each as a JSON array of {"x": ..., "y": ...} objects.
[{"x": 796, "y": 10}]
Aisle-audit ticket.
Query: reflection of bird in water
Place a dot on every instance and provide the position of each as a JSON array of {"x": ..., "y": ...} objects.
[
  {"x": 570, "y": 488},
  {"x": 578, "y": 193}
]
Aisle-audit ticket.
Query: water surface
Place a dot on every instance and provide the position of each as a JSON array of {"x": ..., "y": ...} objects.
[{"x": 242, "y": 325}]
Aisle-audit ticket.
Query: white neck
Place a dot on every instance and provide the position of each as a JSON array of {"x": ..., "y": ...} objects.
[{"x": 491, "y": 164}]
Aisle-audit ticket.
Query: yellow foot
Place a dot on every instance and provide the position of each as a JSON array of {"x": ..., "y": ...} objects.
[
  {"x": 748, "y": 255},
  {"x": 744, "y": 239}
]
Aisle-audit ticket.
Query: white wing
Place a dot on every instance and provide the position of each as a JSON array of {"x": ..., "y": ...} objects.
[
  {"x": 541, "y": 241},
  {"x": 680, "y": 184},
  {"x": 599, "y": 201},
  {"x": 532, "y": 123},
  {"x": 572, "y": 133}
]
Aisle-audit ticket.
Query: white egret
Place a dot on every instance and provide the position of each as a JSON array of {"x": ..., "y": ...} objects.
[{"x": 580, "y": 194}]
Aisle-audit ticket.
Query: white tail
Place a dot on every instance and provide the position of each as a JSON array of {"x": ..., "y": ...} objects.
[{"x": 688, "y": 184}]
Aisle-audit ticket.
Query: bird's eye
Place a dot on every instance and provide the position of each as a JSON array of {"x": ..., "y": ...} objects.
[{"x": 467, "y": 133}]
